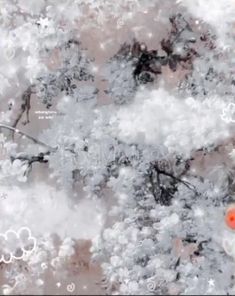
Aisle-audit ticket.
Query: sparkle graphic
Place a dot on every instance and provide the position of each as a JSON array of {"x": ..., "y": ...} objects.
[{"x": 211, "y": 283}]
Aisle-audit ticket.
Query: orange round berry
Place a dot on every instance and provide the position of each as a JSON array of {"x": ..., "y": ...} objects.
[{"x": 230, "y": 218}]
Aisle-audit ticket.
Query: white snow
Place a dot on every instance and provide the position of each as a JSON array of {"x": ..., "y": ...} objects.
[
  {"x": 181, "y": 125},
  {"x": 45, "y": 210}
]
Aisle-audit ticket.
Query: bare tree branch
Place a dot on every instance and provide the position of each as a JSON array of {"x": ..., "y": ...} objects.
[
  {"x": 25, "y": 106},
  {"x": 187, "y": 184}
]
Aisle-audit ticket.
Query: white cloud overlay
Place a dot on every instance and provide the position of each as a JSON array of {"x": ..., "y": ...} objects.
[
  {"x": 15, "y": 245},
  {"x": 46, "y": 210}
]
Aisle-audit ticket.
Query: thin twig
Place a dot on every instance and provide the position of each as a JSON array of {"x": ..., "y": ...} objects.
[{"x": 15, "y": 130}]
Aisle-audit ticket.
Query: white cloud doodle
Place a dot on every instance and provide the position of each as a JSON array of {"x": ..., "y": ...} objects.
[
  {"x": 16, "y": 245},
  {"x": 228, "y": 113}
]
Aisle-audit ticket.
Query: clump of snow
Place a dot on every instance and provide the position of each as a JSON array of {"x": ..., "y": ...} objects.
[
  {"x": 213, "y": 13},
  {"x": 181, "y": 125}
]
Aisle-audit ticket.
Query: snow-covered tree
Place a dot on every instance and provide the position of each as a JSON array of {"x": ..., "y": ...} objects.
[{"x": 148, "y": 123}]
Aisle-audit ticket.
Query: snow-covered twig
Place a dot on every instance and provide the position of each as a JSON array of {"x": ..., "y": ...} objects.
[{"x": 41, "y": 157}]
